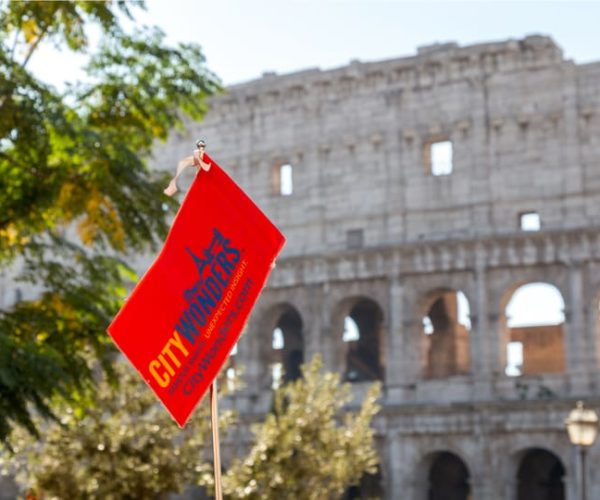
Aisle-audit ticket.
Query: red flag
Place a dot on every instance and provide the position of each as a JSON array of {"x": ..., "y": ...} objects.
[{"x": 187, "y": 312}]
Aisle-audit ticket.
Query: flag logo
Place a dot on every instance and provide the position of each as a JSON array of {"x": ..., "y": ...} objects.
[{"x": 187, "y": 312}]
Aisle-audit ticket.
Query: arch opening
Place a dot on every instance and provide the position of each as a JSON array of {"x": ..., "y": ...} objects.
[
  {"x": 540, "y": 476},
  {"x": 448, "y": 478},
  {"x": 287, "y": 348},
  {"x": 534, "y": 330},
  {"x": 362, "y": 336},
  {"x": 446, "y": 328}
]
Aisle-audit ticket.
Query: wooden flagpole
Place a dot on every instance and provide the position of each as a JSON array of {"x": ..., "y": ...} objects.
[
  {"x": 214, "y": 421},
  {"x": 196, "y": 160}
]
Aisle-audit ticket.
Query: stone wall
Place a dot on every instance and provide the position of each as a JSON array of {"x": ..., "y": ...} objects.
[{"x": 369, "y": 224}]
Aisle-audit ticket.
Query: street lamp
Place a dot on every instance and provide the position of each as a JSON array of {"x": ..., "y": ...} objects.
[{"x": 582, "y": 427}]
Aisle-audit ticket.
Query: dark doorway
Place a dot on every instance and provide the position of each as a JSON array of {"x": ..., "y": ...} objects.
[
  {"x": 448, "y": 478},
  {"x": 540, "y": 476}
]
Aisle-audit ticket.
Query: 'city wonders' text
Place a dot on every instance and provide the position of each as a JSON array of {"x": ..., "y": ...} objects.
[{"x": 215, "y": 270}]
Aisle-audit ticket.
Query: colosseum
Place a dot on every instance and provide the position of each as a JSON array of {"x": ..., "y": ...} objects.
[{"x": 426, "y": 201}]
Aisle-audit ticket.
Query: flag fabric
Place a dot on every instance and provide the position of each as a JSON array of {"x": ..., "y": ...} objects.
[{"x": 183, "y": 318}]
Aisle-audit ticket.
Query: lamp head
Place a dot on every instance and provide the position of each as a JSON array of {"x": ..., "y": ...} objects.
[{"x": 582, "y": 426}]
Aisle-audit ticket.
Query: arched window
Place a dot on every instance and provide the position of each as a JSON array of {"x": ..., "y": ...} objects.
[
  {"x": 448, "y": 478},
  {"x": 540, "y": 476},
  {"x": 287, "y": 347},
  {"x": 282, "y": 179},
  {"x": 446, "y": 328},
  {"x": 534, "y": 330},
  {"x": 362, "y": 337},
  {"x": 438, "y": 157},
  {"x": 286, "y": 180}
]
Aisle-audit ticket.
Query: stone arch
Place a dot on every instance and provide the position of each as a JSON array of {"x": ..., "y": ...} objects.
[
  {"x": 446, "y": 326},
  {"x": 533, "y": 329},
  {"x": 282, "y": 346},
  {"x": 361, "y": 331},
  {"x": 540, "y": 475},
  {"x": 445, "y": 476}
]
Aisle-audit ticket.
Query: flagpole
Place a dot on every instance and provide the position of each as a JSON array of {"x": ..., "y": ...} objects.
[{"x": 214, "y": 421}]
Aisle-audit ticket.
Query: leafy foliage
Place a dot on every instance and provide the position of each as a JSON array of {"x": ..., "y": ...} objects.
[
  {"x": 72, "y": 164},
  {"x": 125, "y": 446},
  {"x": 302, "y": 450}
]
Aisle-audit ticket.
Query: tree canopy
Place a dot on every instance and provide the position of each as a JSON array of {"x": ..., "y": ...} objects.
[
  {"x": 126, "y": 446},
  {"x": 308, "y": 447},
  {"x": 76, "y": 195}
]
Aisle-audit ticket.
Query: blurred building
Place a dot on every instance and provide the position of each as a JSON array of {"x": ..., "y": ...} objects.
[{"x": 427, "y": 200}]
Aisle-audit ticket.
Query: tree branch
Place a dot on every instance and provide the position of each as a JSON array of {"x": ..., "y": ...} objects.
[{"x": 34, "y": 46}]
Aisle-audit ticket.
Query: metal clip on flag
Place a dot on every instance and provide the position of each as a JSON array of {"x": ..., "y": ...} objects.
[{"x": 183, "y": 318}]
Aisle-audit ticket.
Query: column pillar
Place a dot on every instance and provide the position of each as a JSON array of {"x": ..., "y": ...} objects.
[
  {"x": 395, "y": 347},
  {"x": 484, "y": 334},
  {"x": 574, "y": 333}
]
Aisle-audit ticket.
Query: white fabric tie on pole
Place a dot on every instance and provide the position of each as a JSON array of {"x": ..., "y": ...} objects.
[{"x": 195, "y": 160}]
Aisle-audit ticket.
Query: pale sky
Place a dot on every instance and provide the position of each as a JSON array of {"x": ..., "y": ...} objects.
[{"x": 242, "y": 38}]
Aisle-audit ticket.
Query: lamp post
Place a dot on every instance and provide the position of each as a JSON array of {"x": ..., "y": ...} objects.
[{"x": 582, "y": 427}]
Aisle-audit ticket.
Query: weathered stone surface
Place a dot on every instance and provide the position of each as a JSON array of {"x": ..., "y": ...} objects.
[{"x": 368, "y": 220}]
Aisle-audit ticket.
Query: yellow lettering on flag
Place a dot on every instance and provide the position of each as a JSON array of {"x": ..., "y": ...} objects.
[{"x": 162, "y": 369}]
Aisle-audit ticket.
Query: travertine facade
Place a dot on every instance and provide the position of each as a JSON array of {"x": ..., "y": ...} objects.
[{"x": 373, "y": 234}]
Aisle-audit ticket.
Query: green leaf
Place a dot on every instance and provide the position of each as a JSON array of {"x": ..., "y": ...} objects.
[
  {"x": 74, "y": 163},
  {"x": 304, "y": 449}
]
